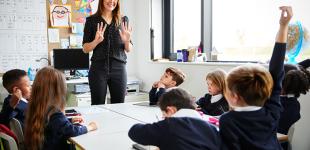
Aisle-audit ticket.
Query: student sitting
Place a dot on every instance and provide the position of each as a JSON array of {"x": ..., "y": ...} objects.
[
  {"x": 172, "y": 78},
  {"x": 16, "y": 82},
  {"x": 182, "y": 128},
  {"x": 254, "y": 95},
  {"x": 214, "y": 103},
  {"x": 46, "y": 125},
  {"x": 296, "y": 82}
]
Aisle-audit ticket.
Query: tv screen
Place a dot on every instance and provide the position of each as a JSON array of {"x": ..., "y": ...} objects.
[{"x": 70, "y": 59}]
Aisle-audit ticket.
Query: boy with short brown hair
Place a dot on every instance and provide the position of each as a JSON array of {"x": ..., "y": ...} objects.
[
  {"x": 172, "y": 78},
  {"x": 17, "y": 83}
]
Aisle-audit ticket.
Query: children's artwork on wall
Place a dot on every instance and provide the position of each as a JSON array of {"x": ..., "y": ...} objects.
[
  {"x": 64, "y": 2},
  {"x": 81, "y": 19},
  {"x": 60, "y": 15},
  {"x": 85, "y": 6}
]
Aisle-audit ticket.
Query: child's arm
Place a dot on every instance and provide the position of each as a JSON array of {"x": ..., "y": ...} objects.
[
  {"x": 202, "y": 101},
  {"x": 7, "y": 112},
  {"x": 59, "y": 123},
  {"x": 277, "y": 61},
  {"x": 148, "y": 134},
  {"x": 152, "y": 96}
]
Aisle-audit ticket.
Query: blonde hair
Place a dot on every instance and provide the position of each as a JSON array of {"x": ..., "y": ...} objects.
[
  {"x": 47, "y": 97},
  {"x": 253, "y": 83},
  {"x": 116, "y": 13},
  {"x": 218, "y": 77}
]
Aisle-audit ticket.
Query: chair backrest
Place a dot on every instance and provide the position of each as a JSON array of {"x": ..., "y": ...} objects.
[
  {"x": 8, "y": 142},
  {"x": 290, "y": 136},
  {"x": 17, "y": 129}
]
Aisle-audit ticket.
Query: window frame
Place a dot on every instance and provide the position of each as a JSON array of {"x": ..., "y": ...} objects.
[{"x": 168, "y": 25}]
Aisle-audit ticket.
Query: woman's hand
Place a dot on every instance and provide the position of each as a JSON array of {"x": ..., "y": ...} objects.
[
  {"x": 100, "y": 33},
  {"x": 125, "y": 32}
]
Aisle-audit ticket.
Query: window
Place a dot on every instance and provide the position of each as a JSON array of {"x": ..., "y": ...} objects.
[
  {"x": 245, "y": 30},
  {"x": 239, "y": 30},
  {"x": 186, "y": 24}
]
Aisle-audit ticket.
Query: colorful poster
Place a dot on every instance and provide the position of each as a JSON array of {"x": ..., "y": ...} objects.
[{"x": 60, "y": 15}]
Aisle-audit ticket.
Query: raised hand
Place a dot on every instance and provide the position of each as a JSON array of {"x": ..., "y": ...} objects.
[
  {"x": 16, "y": 96},
  {"x": 286, "y": 15},
  {"x": 100, "y": 32},
  {"x": 125, "y": 32}
]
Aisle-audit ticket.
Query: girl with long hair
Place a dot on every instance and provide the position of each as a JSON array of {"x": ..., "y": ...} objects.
[{"x": 46, "y": 126}]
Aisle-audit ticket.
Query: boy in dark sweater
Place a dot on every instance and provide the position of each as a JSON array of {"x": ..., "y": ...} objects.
[
  {"x": 182, "y": 128},
  {"x": 17, "y": 83},
  {"x": 172, "y": 78},
  {"x": 254, "y": 95}
]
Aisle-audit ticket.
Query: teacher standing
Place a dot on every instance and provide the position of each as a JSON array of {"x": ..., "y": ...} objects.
[{"x": 109, "y": 38}]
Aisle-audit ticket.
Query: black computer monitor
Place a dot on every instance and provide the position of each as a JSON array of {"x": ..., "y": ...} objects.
[{"x": 70, "y": 59}]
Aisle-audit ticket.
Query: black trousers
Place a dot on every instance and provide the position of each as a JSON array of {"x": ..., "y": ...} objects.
[{"x": 112, "y": 75}]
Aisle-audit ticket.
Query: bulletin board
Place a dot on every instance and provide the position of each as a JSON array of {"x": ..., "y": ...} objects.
[{"x": 79, "y": 10}]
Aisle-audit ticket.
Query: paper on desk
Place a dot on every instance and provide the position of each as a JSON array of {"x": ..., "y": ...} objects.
[{"x": 53, "y": 35}]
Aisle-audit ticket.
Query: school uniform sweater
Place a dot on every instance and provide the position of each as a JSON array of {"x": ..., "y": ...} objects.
[
  {"x": 184, "y": 131},
  {"x": 213, "y": 108},
  {"x": 58, "y": 130},
  {"x": 154, "y": 95},
  {"x": 7, "y": 112},
  {"x": 257, "y": 129},
  {"x": 289, "y": 114}
]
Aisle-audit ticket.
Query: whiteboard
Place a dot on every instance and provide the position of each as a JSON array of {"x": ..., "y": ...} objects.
[{"x": 23, "y": 34}]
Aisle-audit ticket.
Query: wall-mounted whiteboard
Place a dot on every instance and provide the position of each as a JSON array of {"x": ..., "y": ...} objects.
[{"x": 23, "y": 34}]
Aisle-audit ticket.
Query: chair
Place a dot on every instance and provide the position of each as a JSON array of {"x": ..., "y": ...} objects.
[
  {"x": 8, "y": 142},
  {"x": 290, "y": 136},
  {"x": 17, "y": 129}
]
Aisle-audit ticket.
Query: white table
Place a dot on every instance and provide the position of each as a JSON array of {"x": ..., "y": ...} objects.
[
  {"x": 113, "y": 127},
  {"x": 144, "y": 114},
  {"x": 114, "y": 122}
]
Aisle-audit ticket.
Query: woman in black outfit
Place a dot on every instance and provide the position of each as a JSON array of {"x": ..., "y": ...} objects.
[{"x": 109, "y": 39}]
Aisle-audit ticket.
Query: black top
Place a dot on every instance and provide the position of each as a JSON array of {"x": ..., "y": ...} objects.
[
  {"x": 213, "y": 109},
  {"x": 180, "y": 133},
  {"x": 290, "y": 113},
  {"x": 305, "y": 63},
  {"x": 255, "y": 130},
  {"x": 112, "y": 45},
  {"x": 154, "y": 95}
]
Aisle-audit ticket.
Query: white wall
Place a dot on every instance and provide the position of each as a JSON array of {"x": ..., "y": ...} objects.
[
  {"x": 128, "y": 9},
  {"x": 195, "y": 83}
]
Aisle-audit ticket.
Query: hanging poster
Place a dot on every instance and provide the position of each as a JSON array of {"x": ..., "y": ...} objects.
[{"x": 60, "y": 15}]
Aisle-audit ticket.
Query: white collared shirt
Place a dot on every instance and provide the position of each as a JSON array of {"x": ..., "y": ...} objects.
[
  {"x": 288, "y": 95},
  {"x": 24, "y": 100},
  {"x": 216, "y": 98},
  {"x": 188, "y": 113},
  {"x": 247, "y": 108}
]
